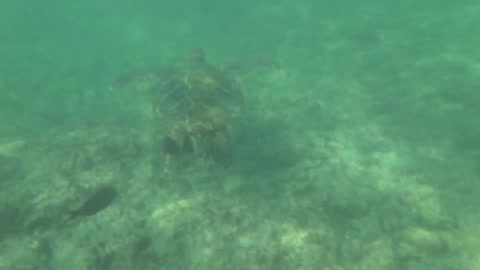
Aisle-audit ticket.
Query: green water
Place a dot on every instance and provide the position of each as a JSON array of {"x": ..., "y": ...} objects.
[{"x": 357, "y": 145}]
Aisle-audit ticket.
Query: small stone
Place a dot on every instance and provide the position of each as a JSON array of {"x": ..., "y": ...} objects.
[{"x": 418, "y": 242}]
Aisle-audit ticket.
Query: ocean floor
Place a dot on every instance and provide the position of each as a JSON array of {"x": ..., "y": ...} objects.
[{"x": 357, "y": 149}]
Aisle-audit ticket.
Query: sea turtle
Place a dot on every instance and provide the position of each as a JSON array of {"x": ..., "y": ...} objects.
[
  {"x": 194, "y": 105},
  {"x": 202, "y": 101}
]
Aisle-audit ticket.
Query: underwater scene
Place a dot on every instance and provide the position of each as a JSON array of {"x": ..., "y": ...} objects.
[{"x": 240, "y": 135}]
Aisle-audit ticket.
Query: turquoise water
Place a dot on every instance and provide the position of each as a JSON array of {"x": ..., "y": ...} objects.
[{"x": 310, "y": 135}]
